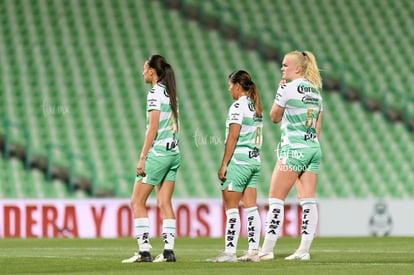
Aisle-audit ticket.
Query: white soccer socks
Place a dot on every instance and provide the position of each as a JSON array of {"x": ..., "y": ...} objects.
[
  {"x": 142, "y": 234},
  {"x": 254, "y": 227},
  {"x": 274, "y": 223},
  {"x": 168, "y": 233},
  {"x": 309, "y": 223},
  {"x": 232, "y": 230}
]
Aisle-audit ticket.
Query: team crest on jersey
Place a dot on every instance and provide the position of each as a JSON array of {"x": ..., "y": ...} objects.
[{"x": 251, "y": 107}]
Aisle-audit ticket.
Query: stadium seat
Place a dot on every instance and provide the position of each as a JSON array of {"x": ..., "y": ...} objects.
[{"x": 89, "y": 63}]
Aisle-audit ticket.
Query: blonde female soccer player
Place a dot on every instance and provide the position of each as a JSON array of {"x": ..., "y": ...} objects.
[{"x": 298, "y": 106}]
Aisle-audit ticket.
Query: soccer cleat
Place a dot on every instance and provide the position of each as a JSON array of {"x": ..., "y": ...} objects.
[
  {"x": 144, "y": 256},
  {"x": 250, "y": 256},
  {"x": 166, "y": 256},
  {"x": 224, "y": 257},
  {"x": 302, "y": 256},
  {"x": 266, "y": 256}
]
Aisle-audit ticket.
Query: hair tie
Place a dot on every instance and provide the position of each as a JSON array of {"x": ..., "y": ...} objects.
[{"x": 246, "y": 86}]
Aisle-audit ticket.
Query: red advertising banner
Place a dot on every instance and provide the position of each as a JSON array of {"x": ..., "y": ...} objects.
[{"x": 113, "y": 218}]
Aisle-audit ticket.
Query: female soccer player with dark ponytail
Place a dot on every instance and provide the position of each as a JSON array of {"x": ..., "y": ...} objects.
[
  {"x": 240, "y": 167},
  {"x": 159, "y": 160}
]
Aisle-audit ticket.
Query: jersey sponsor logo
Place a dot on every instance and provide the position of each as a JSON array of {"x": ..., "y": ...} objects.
[
  {"x": 309, "y": 136},
  {"x": 257, "y": 118},
  {"x": 234, "y": 116},
  {"x": 302, "y": 89},
  {"x": 278, "y": 96},
  {"x": 254, "y": 153},
  {"x": 172, "y": 145},
  {"x": 152, "y": 102},
  {"x": 309, "y": 99}
]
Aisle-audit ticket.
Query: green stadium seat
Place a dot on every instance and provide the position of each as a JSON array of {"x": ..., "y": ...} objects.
[{"x": 94, "y": 67}]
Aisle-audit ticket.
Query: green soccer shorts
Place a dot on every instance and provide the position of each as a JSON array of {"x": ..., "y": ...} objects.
[
  {"x": 160, "y": 168},
  {"x": 301, "y": 159},
  {"x": 239, "y": 177}
]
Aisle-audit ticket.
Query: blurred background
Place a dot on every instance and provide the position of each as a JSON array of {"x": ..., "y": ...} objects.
[{"x": 72, "y": 113}]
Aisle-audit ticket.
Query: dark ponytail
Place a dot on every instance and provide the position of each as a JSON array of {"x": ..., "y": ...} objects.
[
  {"x": 254, "y": 95},
  {"x": 166, "y": 76}
]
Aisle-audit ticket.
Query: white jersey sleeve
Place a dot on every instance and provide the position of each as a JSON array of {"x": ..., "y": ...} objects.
[
  {"x": 235, "y": 114},
  {"x": 153, "y": 99},
  {"x": 281, "y": 96}
]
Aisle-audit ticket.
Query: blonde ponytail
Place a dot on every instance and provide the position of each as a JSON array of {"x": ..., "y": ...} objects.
[{"x": 307, "y": 61}]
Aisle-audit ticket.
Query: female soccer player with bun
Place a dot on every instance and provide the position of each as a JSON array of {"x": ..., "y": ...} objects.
[
  {"x": 159, "y": 160},
  {"x": 298, "y": 106},
  {"x": 240, "y": 167}
]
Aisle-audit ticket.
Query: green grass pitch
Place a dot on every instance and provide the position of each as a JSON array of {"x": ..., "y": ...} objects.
[{"x": 388, "y": 255}]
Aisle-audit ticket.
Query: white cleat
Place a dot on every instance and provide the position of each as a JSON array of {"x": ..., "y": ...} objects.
[
  {"x": 224, "y": 257},
  {"x": 266, "y": 256},
  {"x": 301, "y": 256},
  {"x": 142, "y": 256},
  {"x": 250, "y": 256},
  {"x": 133, "y": 259},
  {"x": 166, "y": 256},
  {"x": 138, "y": 257}
]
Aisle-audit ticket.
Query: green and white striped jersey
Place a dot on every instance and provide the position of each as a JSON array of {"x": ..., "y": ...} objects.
[
  {"x": 302, "y": 104},
  {"x": 167, "y": 138},
  {"x": 247, "y": 150}
]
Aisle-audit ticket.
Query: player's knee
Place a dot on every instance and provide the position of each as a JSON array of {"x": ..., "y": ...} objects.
[
  {"x": 132, "y": 203},
  {"x": 136, "y": 203},
  {"x": 164, "y": 205}
]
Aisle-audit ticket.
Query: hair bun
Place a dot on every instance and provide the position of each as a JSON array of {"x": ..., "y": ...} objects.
[{"x": 248, "y": 85}]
